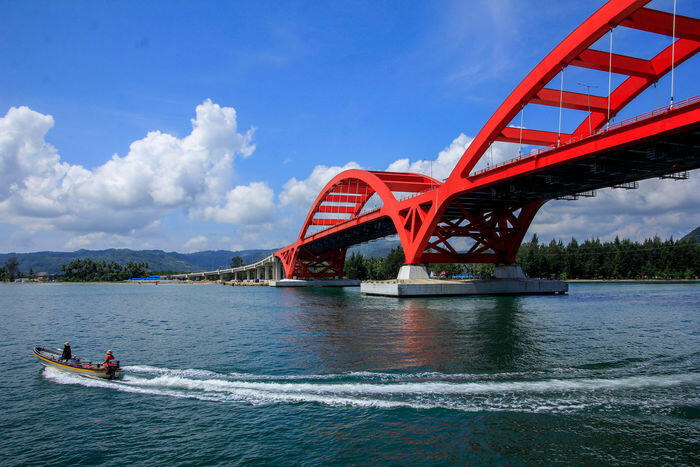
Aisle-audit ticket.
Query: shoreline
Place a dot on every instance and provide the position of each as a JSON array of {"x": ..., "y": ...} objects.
[
  {"x": 206, "y": 282},
  {"x": 631, "y": 280}
]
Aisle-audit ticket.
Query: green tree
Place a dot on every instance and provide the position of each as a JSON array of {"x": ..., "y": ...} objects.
[
  {"x": 12, "y": 268},
  {"x": 356, "y": 267},
  {"x": 392, "y": 263},
  {"x": 84, "y": 270}
]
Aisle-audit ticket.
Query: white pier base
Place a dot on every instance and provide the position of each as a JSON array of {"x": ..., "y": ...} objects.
[
  {"x": 413, "y": 271},
  {"x": 315, "y": 283},
  {"x": 508, "y": 280}
]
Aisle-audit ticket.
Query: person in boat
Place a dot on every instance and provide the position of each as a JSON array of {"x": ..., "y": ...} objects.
[
  {"x": 108, "y": 359},
  {"x": 67, "y": 354},
  {"x": 109, "y": 363}
]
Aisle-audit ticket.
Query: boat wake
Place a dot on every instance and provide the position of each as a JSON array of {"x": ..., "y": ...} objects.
[{"x": 431, "y": 390}]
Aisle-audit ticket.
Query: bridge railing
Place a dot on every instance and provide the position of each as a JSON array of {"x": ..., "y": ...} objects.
[
  {"x": 266, "y": 260},
  {"x": 651, "y": 113}
]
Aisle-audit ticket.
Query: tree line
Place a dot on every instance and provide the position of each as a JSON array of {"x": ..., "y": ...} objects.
[
  {"x": 360, "y": 267},
  {"x": 619, "y": 259},
  {"x": 87, "y": 270},
  {"x": 652, "y": 258}
]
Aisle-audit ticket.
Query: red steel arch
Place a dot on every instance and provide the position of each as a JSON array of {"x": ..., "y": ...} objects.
[
  {"x": 340, "y": 202},
  {"x": 427, "y": 222},
  {"x": 575, "y": 50}
]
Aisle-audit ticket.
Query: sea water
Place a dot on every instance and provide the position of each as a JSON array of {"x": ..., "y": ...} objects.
[{"x": 223, "y": 375}]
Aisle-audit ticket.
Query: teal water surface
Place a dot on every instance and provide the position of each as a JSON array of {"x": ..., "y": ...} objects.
[{"x": 215, "y": 374}]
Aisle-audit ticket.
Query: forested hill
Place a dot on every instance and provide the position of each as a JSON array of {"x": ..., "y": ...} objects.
[
  {"x": 694, "y": 234},
  {"x": 158, "y": 260}
]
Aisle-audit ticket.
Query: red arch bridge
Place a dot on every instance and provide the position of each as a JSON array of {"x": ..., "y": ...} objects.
[
  {"x": 489, "y": 211},
  {"x": 482, "y": 216}
]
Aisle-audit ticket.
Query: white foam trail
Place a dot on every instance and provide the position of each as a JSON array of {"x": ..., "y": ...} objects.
[
  {"x": 365, "y": 375},
  {"x": 243, "y": 395},
  {"x": 562, "y": 395},
  {"x": 189, "y": 372},
  {"x": 428, "y": 387}
]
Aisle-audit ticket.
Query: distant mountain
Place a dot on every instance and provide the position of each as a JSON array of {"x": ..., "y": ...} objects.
[
  {"x": 158, "y": 260},
  {"x": 695, "y": 233},
  {"x": 50, "y": 262}
]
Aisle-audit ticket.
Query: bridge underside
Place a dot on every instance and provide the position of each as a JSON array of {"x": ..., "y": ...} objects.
[
  {"x": 669, "y": 154},
  {"x": 365, "y": 232}
]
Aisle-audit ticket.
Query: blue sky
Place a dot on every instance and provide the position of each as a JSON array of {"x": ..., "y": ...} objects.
[{"x": 316, "y": 87}]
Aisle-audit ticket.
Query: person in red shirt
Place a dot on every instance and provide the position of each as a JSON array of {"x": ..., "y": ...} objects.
[
  {"x": 109, "y": 364},
  {"x": 108, "y": 359}
]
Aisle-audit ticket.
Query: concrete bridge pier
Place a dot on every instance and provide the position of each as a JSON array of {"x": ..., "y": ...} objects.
[{"x": 413, "y": 281}]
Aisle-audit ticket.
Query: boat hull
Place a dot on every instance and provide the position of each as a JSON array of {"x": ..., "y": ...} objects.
[{"x": 51, "y": 358}]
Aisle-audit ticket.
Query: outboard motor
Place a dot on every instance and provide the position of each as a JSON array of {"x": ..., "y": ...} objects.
[{"x": 112, "y": 370}]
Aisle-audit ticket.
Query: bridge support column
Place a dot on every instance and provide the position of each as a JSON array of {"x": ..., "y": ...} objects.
[
  {"x": 267, "y": 272},
  {"x": 413, "y": 271},
  {"x": 508, "y": 271},
  {"x": 276, "y": 270}
]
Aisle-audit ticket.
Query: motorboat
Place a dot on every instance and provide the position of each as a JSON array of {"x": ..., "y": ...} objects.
[{"x": 52, "y": 358}]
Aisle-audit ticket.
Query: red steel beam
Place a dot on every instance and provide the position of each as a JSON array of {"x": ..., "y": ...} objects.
[
  {"x": 660, "y": 22},
  {"x": 350, "y": 187},
  {"x": 338, "y": 209},
  {"x": 315, "y": 221},
  {"x": 401, "y": 176},
  {"x": 342, "y": 198},
  {"x": 633, "y": 86},
  {"x": 409, "y": 187},
  {"x": 569, "y": 100},
  {"x": 621, "y": 64},
  {"x": 537, "y": 137}
]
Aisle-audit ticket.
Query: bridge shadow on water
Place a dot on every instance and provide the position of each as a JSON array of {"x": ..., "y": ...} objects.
[{"x": 449, "y": 334}]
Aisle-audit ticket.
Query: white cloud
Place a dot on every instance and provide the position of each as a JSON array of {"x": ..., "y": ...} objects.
[
  {"x": 245, "y": 204},
  {"x": 159, "y": 173},
  {"x": 658, "y": 207},
  {"x": 439, "y": 168},
  {"x": 447, "y": 159},
  {"x": 196, "y": 243},
  {"x": 302, "y": 193},
  {"x": 96, "y": 240}
]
